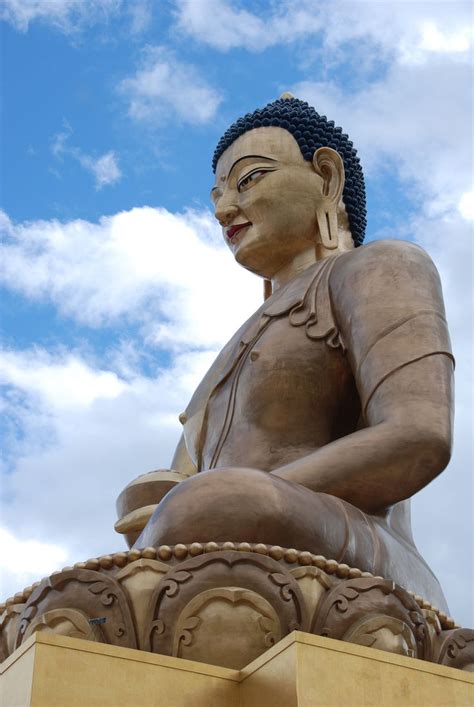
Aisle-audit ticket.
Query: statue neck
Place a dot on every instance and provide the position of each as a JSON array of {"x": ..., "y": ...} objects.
[
  {"x": 300, "y": 262},
  {"x": 308, "y": 257}
]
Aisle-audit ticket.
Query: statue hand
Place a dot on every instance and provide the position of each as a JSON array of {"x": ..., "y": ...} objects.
[{"x": 138, "y": 500}]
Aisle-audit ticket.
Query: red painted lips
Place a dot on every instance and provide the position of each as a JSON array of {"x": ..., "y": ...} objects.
[{"x": 230, "y": 233}]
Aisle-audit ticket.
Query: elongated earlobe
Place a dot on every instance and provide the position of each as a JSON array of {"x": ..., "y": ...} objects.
[
  {"x": 328, "y": 164},
  {"x": 327, "y": 224}
]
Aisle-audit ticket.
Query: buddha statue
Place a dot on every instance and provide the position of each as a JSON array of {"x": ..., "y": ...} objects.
[
  {"x": 286, "y": 505},
  {"x": 332, "y": 405},
  {"x": 289, "y": 490}
]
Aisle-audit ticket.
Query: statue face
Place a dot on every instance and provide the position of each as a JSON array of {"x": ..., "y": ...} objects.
[{"x": 265, "y": 199}]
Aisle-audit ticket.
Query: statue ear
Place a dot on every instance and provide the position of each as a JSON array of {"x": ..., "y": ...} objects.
[{"x": 330, "y": 167}]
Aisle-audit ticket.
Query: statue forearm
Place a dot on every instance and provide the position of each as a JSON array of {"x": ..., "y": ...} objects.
[
  {"x": 406, "y": 445},
  {"x": 372, "y": 468}
]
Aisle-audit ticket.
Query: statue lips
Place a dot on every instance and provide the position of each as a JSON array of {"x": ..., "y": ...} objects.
[{"x": 230, "y": 233}]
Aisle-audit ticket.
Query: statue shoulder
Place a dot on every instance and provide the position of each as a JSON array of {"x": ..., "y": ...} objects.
[
  {"x": 382, "y": 267},
  {"x": 388, "y": 305},
  {"x": 384, "y": 255}
]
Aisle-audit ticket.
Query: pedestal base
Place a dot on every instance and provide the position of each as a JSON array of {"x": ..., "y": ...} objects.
[
  {"x": 226, "y": 604},
  {"x": 302, "y": 670}
]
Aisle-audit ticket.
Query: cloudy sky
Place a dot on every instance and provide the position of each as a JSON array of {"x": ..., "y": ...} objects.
[{"x": 116, "y": 289}]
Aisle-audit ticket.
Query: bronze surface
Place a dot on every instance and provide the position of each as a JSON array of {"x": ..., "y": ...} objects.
[
  {"x": 332, "y": 405},
  {"x": 286, "y": 505}
]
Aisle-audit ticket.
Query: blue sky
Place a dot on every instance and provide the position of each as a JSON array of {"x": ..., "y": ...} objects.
[{"x": 116, "y": 289}]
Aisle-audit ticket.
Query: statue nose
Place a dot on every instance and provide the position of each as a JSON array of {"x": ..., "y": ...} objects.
[{"x": 225, "y": 213}]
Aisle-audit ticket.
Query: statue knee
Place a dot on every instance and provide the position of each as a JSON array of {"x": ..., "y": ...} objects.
[
  {"x": 246, "y": 505},
  {"x": 220, "y": 504}
]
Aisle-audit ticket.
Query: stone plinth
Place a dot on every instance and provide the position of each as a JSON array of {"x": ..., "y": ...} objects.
[{"x": 301, "y": 670}]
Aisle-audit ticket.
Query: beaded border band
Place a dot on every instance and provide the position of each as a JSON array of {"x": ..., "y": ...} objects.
[{"x": 182, "y": 551}]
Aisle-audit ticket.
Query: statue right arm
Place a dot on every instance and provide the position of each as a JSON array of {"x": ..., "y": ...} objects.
[{"x": 388, "y": 304}]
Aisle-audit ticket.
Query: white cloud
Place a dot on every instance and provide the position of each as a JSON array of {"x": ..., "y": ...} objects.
[
  {"x": 59, "y": 143},
  {"x": 65, "y": 381},
  {"x": 416, "y": 121},
  {"x": 466, "y": 205},
  {"x": 221, "y": 24},
  {"x": 409, "y": 31},
  {"x": 68, "y": 16},
  {"x": 104, "y": 168},
  {"x": 148, "y": 265},
  {"x": 140, "y": 14},
  {"x": 164, "y": 87},
  {"x": 72, "y": 460},
  {"x": 434, "y": 40},
  {"x": 26, "y": 561}
]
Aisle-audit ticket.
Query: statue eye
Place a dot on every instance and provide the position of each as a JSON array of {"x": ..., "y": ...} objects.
[{"x": 249, "y": 178}]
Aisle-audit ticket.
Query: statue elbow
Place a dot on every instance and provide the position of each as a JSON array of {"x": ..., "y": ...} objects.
[
  {"x": 445, "y": 451},
  {"x": 436, "y": 450}
]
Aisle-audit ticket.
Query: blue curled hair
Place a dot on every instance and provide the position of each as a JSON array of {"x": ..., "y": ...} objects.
[{"x": 310, "y": 131}]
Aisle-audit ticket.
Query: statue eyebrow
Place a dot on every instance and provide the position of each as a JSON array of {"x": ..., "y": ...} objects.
[{"x": 245, "y": 157}]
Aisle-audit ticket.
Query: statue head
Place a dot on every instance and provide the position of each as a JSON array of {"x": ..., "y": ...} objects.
[{"x": 324, "y": 180}]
